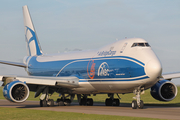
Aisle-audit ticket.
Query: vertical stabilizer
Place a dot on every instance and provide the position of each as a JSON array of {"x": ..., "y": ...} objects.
[{"x": 33, "y": 46}]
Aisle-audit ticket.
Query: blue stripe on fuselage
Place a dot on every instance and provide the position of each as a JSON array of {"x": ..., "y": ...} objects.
[
  {"x": 116, "y": 67},
  {"x": 112, "y": 80}
]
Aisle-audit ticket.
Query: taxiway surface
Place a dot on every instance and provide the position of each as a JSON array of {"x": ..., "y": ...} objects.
[{"x": 124, "y": 110}]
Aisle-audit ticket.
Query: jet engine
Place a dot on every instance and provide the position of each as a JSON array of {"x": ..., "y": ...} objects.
[
  {"x": 16, "y": 91},
  {"x": 164, "y": 90}
]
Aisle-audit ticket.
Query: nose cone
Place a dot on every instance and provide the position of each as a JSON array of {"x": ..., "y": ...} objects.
[{"x": 154, "y": 68}]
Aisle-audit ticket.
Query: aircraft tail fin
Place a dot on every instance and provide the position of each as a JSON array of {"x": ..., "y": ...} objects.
[{"x": 33, "y": 46}]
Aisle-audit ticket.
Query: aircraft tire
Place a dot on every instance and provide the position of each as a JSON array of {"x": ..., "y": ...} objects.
[
  {"x": 116, "y": 102},
  {"x": 67, "y": 102},
  {"x": 43, "y": 103},
  {"x": 83, "y": 102},
  {"x": 134, "y": 104},
  {"x": 58, "y": 100},
  {"x": 108, "y": 102},
  {"x": 89, "y": 102},
  {"x": 50, "y": 103},
  {"x": 141, "y": 104},
  {"x": 60, "y": 103}
]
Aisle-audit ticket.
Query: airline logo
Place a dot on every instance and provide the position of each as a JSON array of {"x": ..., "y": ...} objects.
[
  {"x": 103, "y": 69},
  {"x": 91, "y": 69},
  {"x": 32, "y": 42}
]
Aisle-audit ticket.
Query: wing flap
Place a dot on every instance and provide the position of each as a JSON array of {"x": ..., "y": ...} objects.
[{"x": 170, "y": 76}]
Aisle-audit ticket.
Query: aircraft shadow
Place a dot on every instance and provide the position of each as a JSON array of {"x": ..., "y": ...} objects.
[{"x": 125, "y": 105}]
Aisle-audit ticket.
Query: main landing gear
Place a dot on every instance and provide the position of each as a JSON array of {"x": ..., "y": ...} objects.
[
  {"x": 63, "y": 101},
  {"x": 138, "y": 103},
  {"x": 83, "y": 100},
  {"x": 112, "y": 101},
  {"x": 44, "y": 99},
  {"x": 46, "y": 102}
]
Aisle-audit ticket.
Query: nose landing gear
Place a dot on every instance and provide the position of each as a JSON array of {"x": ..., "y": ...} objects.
[{"x": 138, "y": 103}]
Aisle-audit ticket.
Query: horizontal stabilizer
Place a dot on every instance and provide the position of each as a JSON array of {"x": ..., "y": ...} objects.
[{"x": 13, "y": 63}]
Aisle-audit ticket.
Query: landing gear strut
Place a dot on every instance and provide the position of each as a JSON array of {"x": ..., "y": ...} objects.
[
  {"x": 44, "y": 99},
  {"x": 139, "y": 103},
  {"x": 112, "y": 101}
]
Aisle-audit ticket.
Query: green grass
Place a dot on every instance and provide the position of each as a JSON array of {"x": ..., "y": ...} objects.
[
  {"x": 27, "y": 114},
  {"x": 126, "y": 98}
]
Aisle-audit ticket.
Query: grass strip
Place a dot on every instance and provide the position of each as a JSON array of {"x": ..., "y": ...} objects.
[{"x": 27, "y": 114}]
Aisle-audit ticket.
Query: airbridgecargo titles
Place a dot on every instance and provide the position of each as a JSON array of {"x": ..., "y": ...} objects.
[{"x": 105, "y": 53}]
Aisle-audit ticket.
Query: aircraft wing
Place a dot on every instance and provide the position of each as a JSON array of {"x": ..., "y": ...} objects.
[
  {"x": 67, "y": 82},
  {"x": 170, "y": 76},
  {"x": 13, "y": 63}
]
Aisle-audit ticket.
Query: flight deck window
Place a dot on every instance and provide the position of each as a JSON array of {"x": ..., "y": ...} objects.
[
  {"x": 147, "y": 44},
  {"x": 141, "y": 45}
]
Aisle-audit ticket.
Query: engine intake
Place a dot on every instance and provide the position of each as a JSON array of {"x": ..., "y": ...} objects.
[
  {"x": 16, "y": 91},
  {"x": 164, "y": 90}
]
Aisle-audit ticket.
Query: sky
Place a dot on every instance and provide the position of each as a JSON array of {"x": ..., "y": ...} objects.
[{"x": 63, "y": 25}]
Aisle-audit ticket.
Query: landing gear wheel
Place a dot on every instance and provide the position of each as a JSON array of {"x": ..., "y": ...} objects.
[
  {"x": 83, "y": 101},
  {"x": 141, "y": 104},
  {"x": 108, "y": 102},
  {"x": 134, "y": 104},
  {"x": 116, "y": 102},
  {"x": 89, "y": 102},
  {"x": 50, "y": 103},
  {"x": 67, "y": 102},
  {"x": 60, "y": 102},
  {"x": 43, "y": 103}
]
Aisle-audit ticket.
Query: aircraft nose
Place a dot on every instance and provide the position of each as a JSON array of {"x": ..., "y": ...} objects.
[{"x": 154, "y": 68}]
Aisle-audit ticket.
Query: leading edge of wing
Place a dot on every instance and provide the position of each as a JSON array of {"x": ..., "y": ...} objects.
[
  {"x": 170, "y": 76},
  {"x": 68, "y": 82},
  {"x": 13, "y": 63}
]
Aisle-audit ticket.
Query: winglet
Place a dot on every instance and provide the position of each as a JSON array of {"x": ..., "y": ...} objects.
[{"x": 33, "y": 46}]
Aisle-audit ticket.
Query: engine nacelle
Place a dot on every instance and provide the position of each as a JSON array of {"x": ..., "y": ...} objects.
[
  {"x": 164, "y": 90},
  {"x": 16, "y": 91}
]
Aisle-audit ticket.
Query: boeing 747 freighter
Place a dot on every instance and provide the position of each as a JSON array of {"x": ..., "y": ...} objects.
[{"x": 125, "y": 66}]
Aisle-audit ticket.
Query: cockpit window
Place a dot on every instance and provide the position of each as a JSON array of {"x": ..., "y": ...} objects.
[
  {"x": 147, "y": 44},
  {"x": 141, "y": 45}
]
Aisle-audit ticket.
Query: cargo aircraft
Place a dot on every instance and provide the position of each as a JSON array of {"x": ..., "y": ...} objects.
[{"x": 125, "y": 66}]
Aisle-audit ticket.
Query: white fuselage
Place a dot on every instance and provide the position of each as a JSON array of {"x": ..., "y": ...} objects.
[{"x": 116, "y": 68}]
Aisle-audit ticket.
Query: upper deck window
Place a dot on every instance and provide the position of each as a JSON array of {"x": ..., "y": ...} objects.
[{"x": 141, "y": 45}]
